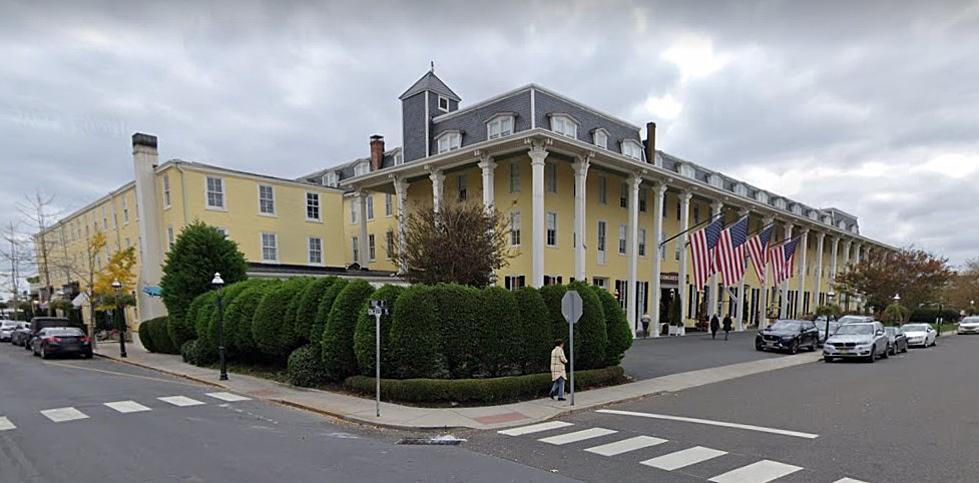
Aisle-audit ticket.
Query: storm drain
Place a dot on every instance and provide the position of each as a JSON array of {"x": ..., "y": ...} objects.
[{"x": 445, "y": 440}]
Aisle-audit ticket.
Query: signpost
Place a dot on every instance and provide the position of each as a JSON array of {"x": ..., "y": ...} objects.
[
  {"x": 377, "y": 308},
  {"x": 571, "y": 309}
]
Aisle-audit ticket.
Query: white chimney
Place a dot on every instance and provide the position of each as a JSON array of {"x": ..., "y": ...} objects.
[{"x": 145, "y": 159}]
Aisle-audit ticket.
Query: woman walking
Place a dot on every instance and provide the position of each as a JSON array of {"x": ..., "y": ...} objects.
[
  {"x": 727, "y": 325},
  {"x": 715, "y": 325},
  {"x": 557, "y": 370}
]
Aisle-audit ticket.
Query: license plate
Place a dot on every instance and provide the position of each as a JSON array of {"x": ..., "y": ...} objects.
[{"x": 844, "y": 351}]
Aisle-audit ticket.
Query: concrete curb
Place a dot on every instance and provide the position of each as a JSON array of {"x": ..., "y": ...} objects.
[{"x": 157, "y": 369}]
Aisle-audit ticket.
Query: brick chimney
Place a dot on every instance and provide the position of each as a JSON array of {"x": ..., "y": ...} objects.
[
  {"x": 377, "y": 152},
  {"x": 651, "y": 142}
]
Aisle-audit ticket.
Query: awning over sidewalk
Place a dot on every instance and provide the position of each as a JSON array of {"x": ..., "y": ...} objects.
[{"x": 79, "y": 300}]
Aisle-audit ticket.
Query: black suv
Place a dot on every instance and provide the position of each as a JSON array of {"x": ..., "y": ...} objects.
[{"x": 788, "y": 335}]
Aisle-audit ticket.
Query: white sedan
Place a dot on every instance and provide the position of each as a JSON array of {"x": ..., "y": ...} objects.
[{"x": 922, "y": 335}]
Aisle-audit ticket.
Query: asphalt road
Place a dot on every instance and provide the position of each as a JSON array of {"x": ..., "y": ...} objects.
[
  {"x": 655, "y": 357},
  {"x": 216, "y": 441},
  {"x": 912, "y": 418}
]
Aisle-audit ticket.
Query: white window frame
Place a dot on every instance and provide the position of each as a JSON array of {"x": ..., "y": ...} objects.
[
  {"x": 499, "y": 126},
  {"x": 603, "y": 190},
  {"x": 514, "y": 177},
  {"x": 261, "y": 211},
  {"x": 642, "y": 242},
  {"x": 761, "y": 197},
  {"x": 686, "y": 170},
  {"x": 462, "y": 187},
  {"x": 600, "y": 138},
  {"x": 388, "y": 204},
  {"x": 371, "y": 248},
  {"x": 362, "y": 168},
  {"x": 219, "y": 192},
  {"x": 601, "y": 236},
  {"x": 318, "y": 251},
  {"x": 448, "y": 141},
  {"x": 514, "y": 228},
  {"x": 623, "y": 195},
  {"x": 166, "y": 191},
  {"x": 550, "y": 232},
  {"x": 389, "y": 243},
  {"x": 741, "y": 190},
  {"x": 369, "y": 202},
  {"x": 632, "y": 149},
  {"x": 355, "y": 245},
  {"x": 623, "y": 239},
  {"x": 354, "y": 211},
  {"x": 274, "y": 247},
  {"x": 169, "y": 237},
  {"x": 317, "y": 205},
  {"x": 447, "y": 104},
  {"x": 331, "y": 179},
  {"x": 564, "y": 125},
  {"x": 550, "y": 177}
]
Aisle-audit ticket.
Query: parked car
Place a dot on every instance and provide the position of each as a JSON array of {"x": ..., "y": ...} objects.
[
  {"x": 896, "y": 340},
  {"x": 969, "y": 325},
  {"x": 788, "y": 335},
  {"x": 39, "y": 323},
  {"x": 859, "y": 340},
  {"x": 52, "y": 341},
  {"x": 821, "y": 326},
  {"x": 855, "y": 319},
  {"x": 923, "y": 335},
  {"x": 20, "y": 335},
  {"x": 6, "y": 328}
]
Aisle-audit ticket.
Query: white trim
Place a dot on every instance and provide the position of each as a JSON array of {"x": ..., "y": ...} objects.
[
  {"x": 224, "y": 195},
  {"x": 319, "y": 207},
  {"x": 439, "y": 103},
  {"x": 261, "y": 246},
  {"x": 309, "y": 251},
  {"x": 533, "y": 107},
  {"x": 594, "y": 137},
  {"x": 166, "y": 194},
  {"x": 635, "y": 144},
  {"x": 274, "y": 212},
  {"x": 500, "y": 118},
  {"x": 428, "y": 124}
]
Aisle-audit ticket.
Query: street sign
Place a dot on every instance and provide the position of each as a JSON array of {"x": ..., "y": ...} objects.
[
  {"x": 571, "y": 306},
  {"x": 377, "y": 308}
]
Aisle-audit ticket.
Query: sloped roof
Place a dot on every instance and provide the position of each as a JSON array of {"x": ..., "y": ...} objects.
[{"x": 430, "y": 82}]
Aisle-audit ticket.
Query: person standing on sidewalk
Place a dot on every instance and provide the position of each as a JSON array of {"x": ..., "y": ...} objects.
[
  {"x": 557, "y": 370},
  {"x": 727, "y": 325},
  {"x": 715, "y": 325}
]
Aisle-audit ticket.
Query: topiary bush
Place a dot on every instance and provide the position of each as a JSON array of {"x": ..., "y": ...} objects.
[
  {"x": 305, "y": 366},
  {"x": 273, "y": 330},
  {"x": 238, "y": 320},
  {"x": 534, "y": 330},
  {"x": 323, "y": 310},
  {"x": 458, "y": 311},
  {"x": 337, "y": 344},
  {"x": 499, "y": 348},
  {"x": 590, "y": 338},
  {"x": 194, "y": 353},
  {"x": 308, "y": 304},
  {"x": 202, "y": 320},
  {"x": 416, "y": 336},
  {"x": 184, "y": 327},
  {"x": 146, "y": 336},
  {"x": 161, "y": 337},
  {"x": 552, "y": 295},
  {"x": 228, "y": 296},
  {"x": 617, "y": 329},
  {"x": 364, "y": 340},
  {"x": 187, "y": 351}
]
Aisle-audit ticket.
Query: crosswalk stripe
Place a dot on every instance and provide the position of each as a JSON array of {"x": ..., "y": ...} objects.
[
  {"x": 127, "y": 406},
  {"x": 535, "y": 428},
  {"x": 5, "y": 424},
  {"x": 760, "y": 472},
  {"x": 61, "y": 415},
  {"x": 180, "y": 401},
  {"x": 578, "y": 436},
  {"x": 682, "y": 458},
  {"x": 227, "y": 396},
  {"x": 848, "y": 480},
  {"x": 626, "y": 445}
]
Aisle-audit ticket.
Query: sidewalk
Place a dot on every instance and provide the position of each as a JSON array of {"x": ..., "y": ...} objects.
[{"x": 361, "y": 410}]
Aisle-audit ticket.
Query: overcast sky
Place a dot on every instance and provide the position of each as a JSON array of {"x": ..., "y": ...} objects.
[{"x": 869, "y": 107}]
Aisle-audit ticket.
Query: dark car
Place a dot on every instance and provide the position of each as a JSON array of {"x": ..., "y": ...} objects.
[
  {"x": 20, "y": 335},
  {"x": 39, "y": 323},
  {"x": 896, "y": 340},
  {"x": 53, "y": 341},
  {"x": 788, "y": 335}
]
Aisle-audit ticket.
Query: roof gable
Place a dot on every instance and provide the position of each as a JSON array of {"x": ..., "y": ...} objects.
[{"x": 430, "y": 82}]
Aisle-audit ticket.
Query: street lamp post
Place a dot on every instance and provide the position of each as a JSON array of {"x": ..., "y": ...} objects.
[
  {"x": 217, "y": 282},
  {"x": 117, "y": 287},
  {"x": 829, "y": 296},
  {"x": 896, "y": 298}
]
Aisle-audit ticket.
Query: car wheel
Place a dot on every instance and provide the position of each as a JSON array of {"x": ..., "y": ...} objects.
[
  {"x": 794, "y": 348},
  {"x": 827, "y": 359},
  {"x": 886, "y": 353},
  {"x": 873, "y": 355},
  {"x": 758, "y": 346},
  {"x": 44, "y": 353},
  {"x": 905, "y": 348}
]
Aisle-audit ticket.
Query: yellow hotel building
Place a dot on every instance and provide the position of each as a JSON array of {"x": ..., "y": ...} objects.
[{"x": 587, "y": 198}]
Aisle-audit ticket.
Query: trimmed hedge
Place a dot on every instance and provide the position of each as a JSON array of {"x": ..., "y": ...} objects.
[
  {"x": 228, "y": 296},
  {"x": 416, "y": 338},
  {"x": 323, "y": 310},
  {"x": 535, "y": 331},
  {"x": 552, "y": 295},
  {"x": 238, "y": 319},
  {"x": 337, "y": 344},
  {"x": 364, "y": 340},
  {"x": 457, "y": 307},
  {"x": 479, "y": 391},
  {"x": 145, "y": 337},
  {"x": 195, "y": 353},
  {"x": 154, "y": 336},
  {"x": 305, "y": 366},
  {"x": 273, "y": 331},
  {"x": 930, "y": 314},
  {"x": 300, "y": 285},
  {"x": 617, "y": 328},
  {"x": 590, "y": 337},
  {"x": 498, "y": 335},
  {"x": 184, "y": 327},
  {"x": 309, "y": 302},
  {"x": 203, "y": 319}
]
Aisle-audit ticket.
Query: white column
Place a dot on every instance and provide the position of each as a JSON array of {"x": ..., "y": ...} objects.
[
  {"x": 684, "y": 225},
  {"x": 847, "y": 246},
  {"x": 580, "y": 222},
  {"x": 634, "y": 182},
  {"x": 361, "y": 200},
  {"x": 834, "y": 253},
  {"x": 803, "y": 267},
  {"x": 149, "y": 223},
  {"x": 740, "y": 312},
  {"x": 659, "y": 193},
  {"x": 712, "y": 294},
  {"x": 785, "y": 284},
  {"x": 401, "y": 193},
  {"x": 487, "y": 165},
  {"x": 819, "y": 270},
  {"x": 537, "y": 156},
  {"x": 763, "y": 300},
  {"x": 438, "y": 182}
]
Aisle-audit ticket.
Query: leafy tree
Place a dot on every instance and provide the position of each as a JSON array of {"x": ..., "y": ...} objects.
[
  {"x": 831, "y": 311},
  {"x": 120, "y": 267},
  {"x": 964, "y": 289},
  {"x": 198, "y": 252},
  {"x": 896, "y": 314},
  {"x": 916, "y": 275},
  {"x": 461, "y": 243},
  {"x": 337, "y": 344}
]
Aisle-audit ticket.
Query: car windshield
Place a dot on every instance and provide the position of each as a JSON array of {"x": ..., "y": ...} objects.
[
  {"x": 970, "y": 320},
  {"x": 8, "y": 324},
  {"x": 915, "y": 328},
  {"x": 786, "y": 325},
  {"x": 64, "y": 332},
  {"x": 856, "y": 329},
  {"x": 850, "y": 319},
  {"x": 890, "y": 330}
]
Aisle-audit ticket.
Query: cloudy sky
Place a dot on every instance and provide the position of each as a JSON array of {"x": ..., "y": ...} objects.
[{"x": 871, "y": 107}]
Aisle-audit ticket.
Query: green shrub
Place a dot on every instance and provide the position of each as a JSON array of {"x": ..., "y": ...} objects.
[
  {"x": 238, "y": 320},
  {"x": 590, "y": 338},
  {"x": 499, "y": 348},
  {"x": 145, "y": 335},
  {"x": 187, "y": 350},
  {"x": 202, "y": 321},
  {"x": 305, "y": 366},
  {"x": 184, "y": 327},
  {"x": 309, "y": 302},
  {"x": 930, "y": 314},
  {"x": 479, "y": 391},
  {"x": 337, "y": 344},
  {"x": 617, "y": 328},
  {"x": 323, "y": 310},
  {"x": 458, "y": 312},
  {"x": 228, "y": 296},
  {"x": 534, "y": 331},
  {"x": 161, "y": 337},
  {"x": 416, "y": 339},
  {"x": 194, "y": 353},
  {"x": 300, "y": 284},
  {"x": 274, "y": 332},
  {"x": 364, "y": 341},
  {"x": 190, "y": 263},
  {"x": 552, "y": 298}
]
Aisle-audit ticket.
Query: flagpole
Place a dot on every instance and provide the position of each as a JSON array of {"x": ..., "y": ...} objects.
[{"x": 688, "y": 230}]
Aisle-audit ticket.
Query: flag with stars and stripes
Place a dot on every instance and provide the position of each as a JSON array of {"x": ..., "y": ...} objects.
[
  {"x": 757, "y": 247},
  {"x": 702, "y": 245},
  {"x": 730, "y": 251},
  {"x": 783, "y": 260}
]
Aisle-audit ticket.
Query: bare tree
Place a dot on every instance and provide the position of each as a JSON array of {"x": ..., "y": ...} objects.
[
  {"x": 39, "y": 212},
  {"x": 15, "y": 256}
]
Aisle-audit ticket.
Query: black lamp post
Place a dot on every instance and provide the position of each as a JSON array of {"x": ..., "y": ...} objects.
[
  {"x": 217, "y": 282},
  {"x": 117, "y": 287},
  {"x": 897, "y": 300}
]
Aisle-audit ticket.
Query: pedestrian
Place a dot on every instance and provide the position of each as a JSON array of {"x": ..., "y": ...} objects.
[
  {"x": 557, "y": 370},
  {"x": 714, "y": 326},
  {"x": 645, "y": 325},
  {"x": 727, "y": 325}
]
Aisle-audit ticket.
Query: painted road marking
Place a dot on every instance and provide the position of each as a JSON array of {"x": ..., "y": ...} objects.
[
  {"x": 5, "y": 424},
  {"x": 127, "y": 406},
  {"x": 61, "y": 415},
  {"x": 180, "y": 401},
  {"x": 535, "y": 428},
  {"x": 687, "y": 457},
  {"x": 227, "y": 396},
  {"x": 762, "y": 429},
  {"x": 626, "y": 445},
  {"x": 849, "y": 480},
  {"x": 578, "y": 436},
  {"x": 760, "y": 472}
]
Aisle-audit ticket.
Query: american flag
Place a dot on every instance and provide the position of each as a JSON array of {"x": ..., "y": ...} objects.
[
  {"x": 757, "y": 246},
  {"x": 702, "y": 244},
  {"x": 783, "y": 259},
  {"x": 730, "y": 251}
]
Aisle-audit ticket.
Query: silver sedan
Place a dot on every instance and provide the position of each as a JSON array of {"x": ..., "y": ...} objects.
[{"x": 920, "y": 335}]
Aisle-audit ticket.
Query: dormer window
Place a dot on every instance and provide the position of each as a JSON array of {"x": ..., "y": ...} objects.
[
  {"x": 331, "y": 179},
  {"x": 797, "y": 209},
  {"x": 362, "y": 168},
  {"x": 399, "y": 159},
  {"x": 686, "y": 170},
  {"x": 813, "y": 215},
  {"x": 600, "y": 138},
  {"x": 828, "y": 220},
  {"x": 716, "y": 180},
  {"x": 762, "y": 197},
  {"x": 632, "y": 149},
  {"x": 443, "y": 104},
  {"x": 564, "y": 125},
  {"x": 499, "y": 126},
  {"x": 841, "y": 224},
  {"x": 780, "y": 203},
  {"x": 741, "y": 190},
  {"x": 448, "y": 141}
]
